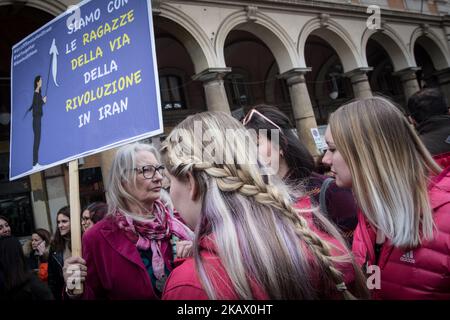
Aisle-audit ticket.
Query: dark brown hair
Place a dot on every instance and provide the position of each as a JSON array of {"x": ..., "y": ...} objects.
[
  {"x": 13, "y": 266},
  {"x": 298, "y": 159},
  {"x": 97, "y": 211},
  {"x": 59, "y": 242}
]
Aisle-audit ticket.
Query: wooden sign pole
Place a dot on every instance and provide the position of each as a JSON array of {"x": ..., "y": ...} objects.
[{"x": 75, "y": 212}]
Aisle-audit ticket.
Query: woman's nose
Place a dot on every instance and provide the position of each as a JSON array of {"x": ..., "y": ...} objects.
[
  {"x": 158, "y": 176},
  {"x": 327, "y": 158}
]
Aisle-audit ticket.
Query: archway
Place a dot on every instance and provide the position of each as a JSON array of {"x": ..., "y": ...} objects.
[
  {"x": 336, "y": 37},
  {"x": 391, "y": 44},
  {"x": 435, "y": 50},
  {"x": 327, "y": 86},
  {"x": 254, "y": 76},
  {"x": 381, "y": 78},
  {"x": 180, "y": 95},
  {"x": 424, "y": 60}
]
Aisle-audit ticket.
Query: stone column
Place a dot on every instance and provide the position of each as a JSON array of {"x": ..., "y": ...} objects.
[
  {"x": 301, "y": 106},
  {"x": 444, "y": 12},
  {"x": 409, "y": 81},
  {"x": 41, "y": 212},
  {"x": 106, "y": 158},
  {"x": 57, "y": 193},
  {"x": 216, "y": 96},
  {"x": 360, "y": 82},
  {"x": 444, "y": 82}
]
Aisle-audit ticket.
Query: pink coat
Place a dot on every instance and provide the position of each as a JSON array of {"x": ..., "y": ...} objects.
[
  {"x": 184, "y": 283},
  {"x": 346, "y": 269},
  {"x": 421, "y": 273},
  {"x": 115, "y": 268},
  {"x": 443, "y": 159}
]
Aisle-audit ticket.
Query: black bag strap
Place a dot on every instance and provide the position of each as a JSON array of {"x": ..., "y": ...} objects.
[{"x": 322, "y": 195}]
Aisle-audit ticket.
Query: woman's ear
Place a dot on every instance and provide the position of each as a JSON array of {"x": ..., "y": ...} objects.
[{"x": 193, "y": 186}]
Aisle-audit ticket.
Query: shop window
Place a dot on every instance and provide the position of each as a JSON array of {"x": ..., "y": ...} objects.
[
  {"x": 172, "y": 94},
  {"x": 91, "y": 186},
  {"x": 237, "y": 90},
  {"x": 18, "y": 210}
]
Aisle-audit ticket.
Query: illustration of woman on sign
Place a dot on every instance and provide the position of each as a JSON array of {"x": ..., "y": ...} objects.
[{"x": 38, "y": 102}]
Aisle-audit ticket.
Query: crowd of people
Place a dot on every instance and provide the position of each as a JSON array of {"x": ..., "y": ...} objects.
[
  {"x": 34, "y": 270},
  {"x": 211, "y": 219}
]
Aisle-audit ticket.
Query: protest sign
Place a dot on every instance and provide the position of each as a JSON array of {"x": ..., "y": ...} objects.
[{"x": 84, "y": 83}]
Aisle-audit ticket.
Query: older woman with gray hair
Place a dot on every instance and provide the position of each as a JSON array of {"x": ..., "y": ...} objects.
[{"x": 130, "y": 253}]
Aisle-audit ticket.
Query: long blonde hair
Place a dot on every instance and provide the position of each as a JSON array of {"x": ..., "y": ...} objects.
[
  {"x": 390, "y": 168},
  {"x": 259, "y": 236}
]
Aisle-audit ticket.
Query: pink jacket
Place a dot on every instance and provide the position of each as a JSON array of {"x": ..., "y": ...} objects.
[
  {"x": 115, "y": 268},
  {"x": 346, "y": 268},
  {"x": 421, "y": 273},
  {"x": 184, "y": 283},
  {"x": 443, "y": 159}
]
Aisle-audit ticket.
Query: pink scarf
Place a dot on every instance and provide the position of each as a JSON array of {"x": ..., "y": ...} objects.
[{"x": 149, "y": 234}]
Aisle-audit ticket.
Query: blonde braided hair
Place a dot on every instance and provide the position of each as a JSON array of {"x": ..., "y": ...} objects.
[
  {"x": 267, "y": 195},
  {"x": 246, "y": 181}
]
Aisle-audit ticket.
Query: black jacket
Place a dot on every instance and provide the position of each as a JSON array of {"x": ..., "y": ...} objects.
[
  {"x": 435, "y": 134},
  {"x": 32, "y": 289},
  {"x": 55, "y": 274}
]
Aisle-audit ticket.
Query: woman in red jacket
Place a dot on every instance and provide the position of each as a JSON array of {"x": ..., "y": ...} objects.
[
  {"x": 403, "y": 234},
  {"x": 250, "y": 242},
  {"x": 129, "y": 253}
]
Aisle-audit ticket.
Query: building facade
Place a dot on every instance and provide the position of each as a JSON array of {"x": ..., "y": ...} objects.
[{"x": 306, "y": 57}]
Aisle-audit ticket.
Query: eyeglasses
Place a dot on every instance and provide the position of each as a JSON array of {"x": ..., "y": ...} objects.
[
  {"x": 149, "y": 171},
  {"x": 249, "y": 116}
]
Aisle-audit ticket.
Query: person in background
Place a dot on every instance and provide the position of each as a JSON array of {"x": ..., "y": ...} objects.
[
  {"x": 92, "y": 214},
  {"x": 17, "y": 281},
  {"x": 250, "y": 242},
  {"x": 296, "y": 167},
  {"x": 60, "y": 250},
  {"x": 429, "y": 112},
  {"x": 5, "y": 229},
  {"x": 404, "y": 196},
  {"x": 129, "y": 254},
  {"x": 39, "y": 253}
]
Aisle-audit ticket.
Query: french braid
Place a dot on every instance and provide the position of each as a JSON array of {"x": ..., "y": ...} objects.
[{"x": 269, "y": 196}]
